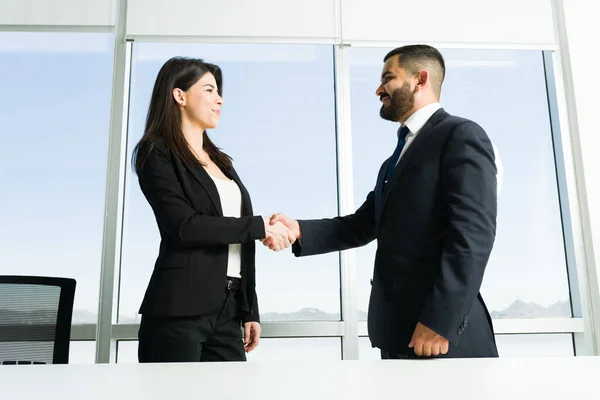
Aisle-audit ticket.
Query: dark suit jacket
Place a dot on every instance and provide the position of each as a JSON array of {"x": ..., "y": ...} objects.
[
  {"x": 435, "y": 228},
  {"x": 190, "y": 271}
]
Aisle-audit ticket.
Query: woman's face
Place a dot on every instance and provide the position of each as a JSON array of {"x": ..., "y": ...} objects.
[{"x": 201, "y": 103}]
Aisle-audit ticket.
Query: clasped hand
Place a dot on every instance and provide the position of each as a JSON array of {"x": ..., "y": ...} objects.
[
  {"x": 281, "y": 232},
  {"x": 426, "y": 342}
]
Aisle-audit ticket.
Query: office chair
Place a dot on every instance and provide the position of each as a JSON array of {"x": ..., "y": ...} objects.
[{"x": 35, "y": 319}]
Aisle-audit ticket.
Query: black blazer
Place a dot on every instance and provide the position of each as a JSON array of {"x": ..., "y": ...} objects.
[
  {"x": 435, "y": 228},
  {"x": 190, "y": 271}
]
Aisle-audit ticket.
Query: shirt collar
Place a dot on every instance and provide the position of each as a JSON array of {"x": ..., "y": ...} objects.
[{"x": 420, "y": 117}]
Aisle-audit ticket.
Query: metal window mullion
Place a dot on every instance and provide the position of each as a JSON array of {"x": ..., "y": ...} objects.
[
  {"x": 361, "y": 43},
  {"x": 575, "y": 293},
  {"x": 346, "y": 200},
  {"x": 561, "y": 181},
  {"x": 115, "y": 189},
  {"x": 270, "y": 330},
  {"x": 58, "y": 28},
  {"x": 505, "y": 326},
  {"x": 584, "y": 267}
]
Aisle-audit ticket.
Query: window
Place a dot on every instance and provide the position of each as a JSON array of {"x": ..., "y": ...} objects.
[
  {"x": 542, "y": 345},
  {"x": 278, "y": 124},
  {"x": 82, "y": 352},
  {"x": 297, "y": 349},
  {"x": 127, "y": 351},
  {"x": 54, "y": 122},
  {"x": 505, "y": 92}
]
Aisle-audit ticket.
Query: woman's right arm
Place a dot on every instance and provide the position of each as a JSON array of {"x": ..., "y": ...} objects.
[{"x": 178, "y": 218}]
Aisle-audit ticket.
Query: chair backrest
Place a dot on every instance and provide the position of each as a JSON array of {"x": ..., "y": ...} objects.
[{"x": 35, "y": 319}]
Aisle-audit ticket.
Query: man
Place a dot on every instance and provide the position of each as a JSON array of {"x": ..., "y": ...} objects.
[{"x": 433, "y": 214}]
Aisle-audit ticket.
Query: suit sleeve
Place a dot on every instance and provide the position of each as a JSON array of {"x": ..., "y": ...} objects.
[
  {"x": 321, "y": 236},
  {"x": 176, "y": 216},
  {"x": 252, "y": 298},
  {"x": 253, "y": 316},
  {"x": 469, "y": 186}
]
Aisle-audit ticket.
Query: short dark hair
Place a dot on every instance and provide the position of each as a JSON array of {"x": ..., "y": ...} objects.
[{"x": 417, "y": 57}]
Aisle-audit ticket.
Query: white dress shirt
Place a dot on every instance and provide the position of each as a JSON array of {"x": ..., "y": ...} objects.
[{"x": 415, "y": 123}]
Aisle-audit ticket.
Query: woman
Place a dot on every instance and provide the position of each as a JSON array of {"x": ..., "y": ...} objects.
[{"x": 203, "y": 284}]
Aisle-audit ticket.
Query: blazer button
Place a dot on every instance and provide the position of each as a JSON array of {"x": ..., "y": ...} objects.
[{"x": 371, "y": 280}]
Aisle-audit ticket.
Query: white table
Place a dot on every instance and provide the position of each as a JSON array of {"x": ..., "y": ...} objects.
[{"x": 483, "y": 379}]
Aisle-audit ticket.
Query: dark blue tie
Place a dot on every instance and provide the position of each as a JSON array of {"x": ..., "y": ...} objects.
[{"x": 402, "y": 132}]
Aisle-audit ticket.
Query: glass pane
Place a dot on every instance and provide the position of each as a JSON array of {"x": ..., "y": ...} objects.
[
  {"x": 365, "y": 351},
  {"x": 544, "y": 345},
  {"x": 269, "y": 91},
  {"x": 82, "y": 352},
  {"x": 54, "y": 119},
  {"x": 521, "y": 345},
  {"x": 297, "y": 349},
  {"x": 504, "y": 91},
  {"x": 268, "y": 349},
  {"x": 127, "y": 351}
]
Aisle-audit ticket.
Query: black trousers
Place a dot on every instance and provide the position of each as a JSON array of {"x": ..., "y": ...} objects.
[{"x": 193, "y": 339}]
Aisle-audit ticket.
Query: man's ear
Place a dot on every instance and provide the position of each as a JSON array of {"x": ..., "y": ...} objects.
[{"x": 422, "y": 79}]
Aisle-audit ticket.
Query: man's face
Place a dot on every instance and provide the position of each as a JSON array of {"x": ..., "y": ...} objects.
[{"x": 396, "y": 92}]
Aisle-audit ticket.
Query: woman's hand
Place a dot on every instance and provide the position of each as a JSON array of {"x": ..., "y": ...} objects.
[
  {"x": 251, "y": 335},
  {"x": 278, "y": 236}
]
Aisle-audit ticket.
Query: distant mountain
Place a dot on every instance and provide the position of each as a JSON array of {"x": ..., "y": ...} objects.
[
  {"x": 87, "y": 317},
  {"x": 84, "y": 317},
  {"x": 129, "y": 320},
  {"x": 306, "y": 314},
  {"x": 520, "y": 309}
]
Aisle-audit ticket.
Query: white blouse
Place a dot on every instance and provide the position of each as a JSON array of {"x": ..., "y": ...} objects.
[{"x": 231, "y": 202}]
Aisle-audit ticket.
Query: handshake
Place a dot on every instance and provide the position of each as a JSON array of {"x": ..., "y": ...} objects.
[{"x": 281, "y": 232}]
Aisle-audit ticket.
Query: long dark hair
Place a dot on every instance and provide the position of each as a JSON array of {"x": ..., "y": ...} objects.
[{"x": 164, "y": 121}]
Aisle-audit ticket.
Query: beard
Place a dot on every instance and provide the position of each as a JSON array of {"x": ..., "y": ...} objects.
[{"x": 402, "y": 101}]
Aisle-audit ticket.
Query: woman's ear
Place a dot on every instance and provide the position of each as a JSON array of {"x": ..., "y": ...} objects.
[{"x": 179, "y": 96}]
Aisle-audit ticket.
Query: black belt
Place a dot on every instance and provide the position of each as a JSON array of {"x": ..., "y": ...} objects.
[{"x": 232, "y": 283}]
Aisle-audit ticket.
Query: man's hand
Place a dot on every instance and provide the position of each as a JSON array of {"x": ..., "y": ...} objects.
[
  {"x": 291, "y": 227},
  {"x": 426, "y": 342},
  {"x": 278, "y": 236},
  {"x": 291, "y": 224},
  {"x": 251, "y": 335}
]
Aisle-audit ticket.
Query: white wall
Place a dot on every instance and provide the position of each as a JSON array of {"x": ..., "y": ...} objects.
[
  {"x": 477, "y": 22},
  {"x": 480, "y": 22},
  {"x": 57, "y": 12},
  {"x": 445, "y": 21},
  {"x": 583, "y": 34},
  {"x": 232, "y": 18}
]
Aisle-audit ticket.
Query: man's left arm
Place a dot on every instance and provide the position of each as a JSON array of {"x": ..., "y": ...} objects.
[{"x": 469, "y": 186}]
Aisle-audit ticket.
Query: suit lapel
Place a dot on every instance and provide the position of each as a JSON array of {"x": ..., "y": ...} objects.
[
  {"x": 207, "y": 183},
  {"x": 379, "y": 189},
  {"x": 412, "y": 150}
]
